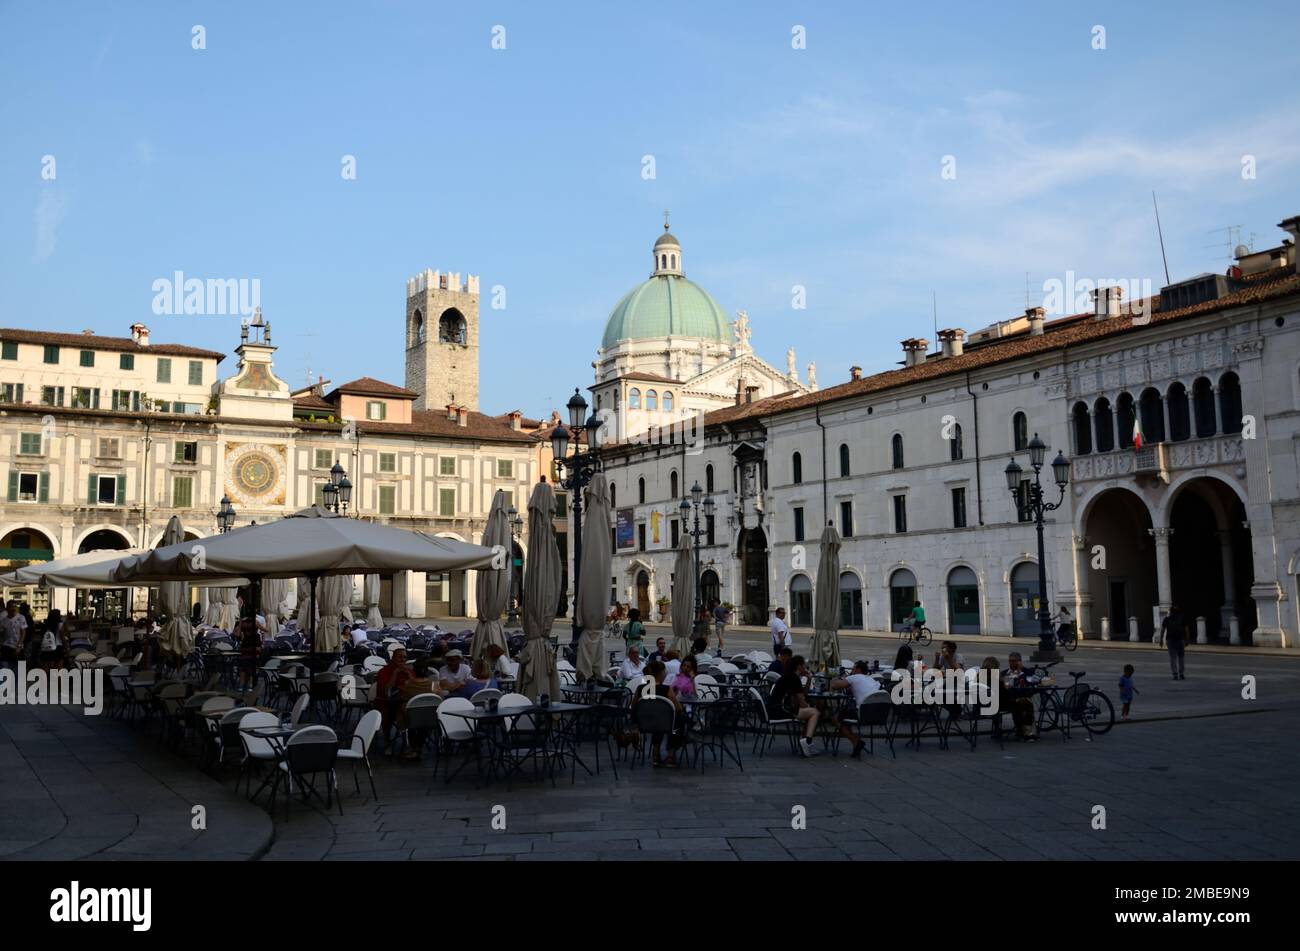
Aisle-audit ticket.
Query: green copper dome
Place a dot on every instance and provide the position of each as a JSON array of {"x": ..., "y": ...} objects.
[{"x": 666, "y": 305}]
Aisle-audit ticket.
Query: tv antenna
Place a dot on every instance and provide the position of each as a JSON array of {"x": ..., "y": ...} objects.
[{"x": 1161, "y": 233}]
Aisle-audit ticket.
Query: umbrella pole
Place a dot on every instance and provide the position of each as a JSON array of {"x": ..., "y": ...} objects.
[{"x": 313, "y": 614}]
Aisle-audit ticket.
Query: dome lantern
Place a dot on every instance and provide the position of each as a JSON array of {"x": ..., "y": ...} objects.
[{"x": 667, "y": 254}]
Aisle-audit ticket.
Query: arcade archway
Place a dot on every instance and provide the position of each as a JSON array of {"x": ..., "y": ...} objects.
[{"x": 1122, "y": 571}]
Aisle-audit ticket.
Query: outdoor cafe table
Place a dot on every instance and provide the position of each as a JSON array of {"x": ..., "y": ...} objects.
[
  {"x": 276, "y": 737},
  {"x": 495, "y": 727}
]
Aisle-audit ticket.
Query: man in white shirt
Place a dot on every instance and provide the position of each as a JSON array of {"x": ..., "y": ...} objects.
[
  {"x": 780, "y": 633},
  {"x": 13, "y": 632},
  {"x": 633, "y": 667},
  {"x": 862, "y": 685},
  {"x": 455, "y": 673},
  {"x": 359, "y": 636}
]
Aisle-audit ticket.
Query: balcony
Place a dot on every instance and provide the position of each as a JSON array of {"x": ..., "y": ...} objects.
[{"x": 1159, "y": 460}]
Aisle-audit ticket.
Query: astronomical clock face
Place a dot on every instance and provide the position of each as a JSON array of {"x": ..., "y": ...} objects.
[{"x": 255, "y": 474}]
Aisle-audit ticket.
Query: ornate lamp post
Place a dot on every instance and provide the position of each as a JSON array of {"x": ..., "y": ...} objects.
[
  {"x": 1036, "y": 505},
  {"x": 576, "y": 472},
  {"x": 338, "y": 491},
  {"x": 689, "y": 506},
  {"x": 225, "y": 515},
  {"x": 516, "y": 527}
]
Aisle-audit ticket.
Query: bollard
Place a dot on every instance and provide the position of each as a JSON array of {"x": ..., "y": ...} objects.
[
  {"x": 1200, "y": 631},
  {"x": 1105, "y": 629},
  {"x": 1234, "y": 630},
  {"x": 1132, "y": 629}
]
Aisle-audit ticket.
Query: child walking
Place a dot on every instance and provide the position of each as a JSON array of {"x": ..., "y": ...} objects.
[{"x": 1126, "y": 690}]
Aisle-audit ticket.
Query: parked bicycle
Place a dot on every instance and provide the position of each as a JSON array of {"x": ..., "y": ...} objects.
[{"x": 1078, "y": 703}]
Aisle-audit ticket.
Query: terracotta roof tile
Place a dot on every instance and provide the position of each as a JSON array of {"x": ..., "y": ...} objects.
[
  {"x": 96, "y": 342},
  {"x": 368, "y": 386}
]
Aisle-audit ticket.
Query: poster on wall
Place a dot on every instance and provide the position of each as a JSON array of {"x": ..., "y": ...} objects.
[{"x": 624, "y": 529}]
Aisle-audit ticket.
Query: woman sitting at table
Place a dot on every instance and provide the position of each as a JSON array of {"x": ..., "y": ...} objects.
[
  {"x": 684, "y": 682},
  {"x": 421, "y": 681},
  {"x": 788, "y": 701},
  {"x": 656, "y": 672},
  {"x": 481, "y": 677},
  {"x": 948, "y": 659},
  {"x": 903, "y": 658}
]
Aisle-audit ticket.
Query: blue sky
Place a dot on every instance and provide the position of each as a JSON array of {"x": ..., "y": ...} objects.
[{"x": 817, "y": 167}]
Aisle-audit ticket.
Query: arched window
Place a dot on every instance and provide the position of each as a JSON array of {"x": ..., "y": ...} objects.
[
  {"x": 1203, "y": 408},
  {"x": 672, "y": 484},
  {"x": 668, "y": 401},
  {"x": 1104, "y": 425},
  {"x": 844, "y": 460},
  {"x": 796, "y": 468},
  {"x": 663, "y": 260},
  {"x": 451, "y": 327},
  {"x": 651, "y": 399},
  {"x": 673, "y": 258},
  {"x": 418, "y": 319},
  {"x": 1180, "y": 418},
  {"x": 896, "y": 447},
  {"x": 708, "y": 478},
  {"x": 955, "y": 448},
  {"x": 1019, "y": 431},
  {"x": 1152, "y": 408},
  {"x": 1125, "y": 414},
  {"x": 1082, "y": 430},
  {"x": 640, "y": 490},
  {"x": 634, "y": 398},
  {"x": 1230, "y": 403}
]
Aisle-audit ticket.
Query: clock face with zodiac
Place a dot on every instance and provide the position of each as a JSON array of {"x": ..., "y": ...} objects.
[{"x": 255, "y": 473}]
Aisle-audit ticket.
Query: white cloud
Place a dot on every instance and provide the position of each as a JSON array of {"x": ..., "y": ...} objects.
[{"x": 51, "y": 209}]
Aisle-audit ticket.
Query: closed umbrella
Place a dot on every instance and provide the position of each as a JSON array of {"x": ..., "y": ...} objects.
[
  {"x": 274, "y": 592},
  {"x": 374, "y": 620},
  {"x": 683, "y": 609},
  {"x": 492, "y": 585},
  {"x": 176, "y": 638},
  {"x": 331, "y": 598},
  {"x": 303, "y": 610},
  {"x": 591, "y": 605},
  {"x": 826, "y": 611},
  {"x": 228, "y": 608},
  {"x": 537, "y": 670},
  {"x": 212, "y": 616},
  {"x": 349, "y": 591}
]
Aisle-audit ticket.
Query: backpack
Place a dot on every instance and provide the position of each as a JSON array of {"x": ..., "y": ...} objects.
[{"x": 49, "y": 642}]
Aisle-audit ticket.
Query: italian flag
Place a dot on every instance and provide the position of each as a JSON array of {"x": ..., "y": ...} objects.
[{"x": 1137, "y": 431}]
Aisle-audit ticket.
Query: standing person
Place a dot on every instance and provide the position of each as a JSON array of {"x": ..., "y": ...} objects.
[
  {"x": 33, "y": 642},
  {"x": 250, "y": 649},
  {"x": 1126, "y": 690},
  {"x": 780, "y": 632},
  {"x": 719, "y": 623},
  {"x": 13, "y": 635},
  {"x": 787, "y": 701},
  {"x": 633, "y": 631},
  {"x": 1174, "y": 631}
]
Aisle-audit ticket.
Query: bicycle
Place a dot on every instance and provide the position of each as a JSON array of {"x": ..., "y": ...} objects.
[
  {"x": 922, "y": 637},
  {"x": 1077, "y": 703},
  {"x": 1070, "y": 639},
  {"x": 614, "y": 629}
]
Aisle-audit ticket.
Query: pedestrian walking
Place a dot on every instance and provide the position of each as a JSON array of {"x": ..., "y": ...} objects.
[
  {"x": 1174, "y": 631},
  {"x": 719, "y": 623},
  {"x": 1126, "y": 690},
  {"x": 780, "y": 632}
]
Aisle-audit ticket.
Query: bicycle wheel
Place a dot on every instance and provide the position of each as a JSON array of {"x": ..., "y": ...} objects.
[
  {"x": 923, "y": 636},
  {"x": 1097, "y": 713},
  {"x": 1049, "y": 712},
  {"x": 1072, "y": 638}
]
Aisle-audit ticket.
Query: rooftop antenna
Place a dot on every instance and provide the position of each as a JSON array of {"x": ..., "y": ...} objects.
[
  {"x": 1162, "y": 236},
  {"x": 934, "y": 308}
]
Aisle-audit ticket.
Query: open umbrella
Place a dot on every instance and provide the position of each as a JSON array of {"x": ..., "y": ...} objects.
[
  {"x": 86, "y": 570},
  {"x": 683, "y": 607},
  {"x": 492, "y": 587},
  {"x": 176, "y": 638},
  {"x": 591, "y": 605},
  {"x": 826, "y": 610},
  {"x": 537, "y": 671},
  {"x": 374, "y": 620}
]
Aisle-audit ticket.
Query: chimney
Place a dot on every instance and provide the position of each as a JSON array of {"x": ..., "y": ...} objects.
[
  {"x": 1106, "y": 302},
  {"x": 1035, "y": 317},
  {"x": 462, "y": 416},
  {"x": 140, "y": 334},
  {"x": 740, "y": 392},
  {"x": 515, "y": 418},
  {"x": 914, "y": 350},
  {"x": 1292, "y": 227},
  {"x": 855, "y": 373},
  {"x": 951, "y": 342},
  {"x": 451, "y": 412}
]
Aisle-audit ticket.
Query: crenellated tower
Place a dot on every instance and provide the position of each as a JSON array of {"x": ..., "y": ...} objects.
[{"x": 442, "y": 339}]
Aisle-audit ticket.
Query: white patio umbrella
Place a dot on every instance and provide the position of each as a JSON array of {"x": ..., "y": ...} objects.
[
  {"x": 315, "y": 543},
  {"x": 683, "y": 606},
  {"x": 227, "y": 608},
  {"x": 87, "y": 570},
  {"x": 176, "y": 637},
  {"x": 591, "y": 606},
  {"x": 374, "y": 619},
  {"x": 537, "y": 671},
  {"x": 826, "y": 611},
  {"x": 274, "y": 593},
  {"x": 492, "y": 587}
]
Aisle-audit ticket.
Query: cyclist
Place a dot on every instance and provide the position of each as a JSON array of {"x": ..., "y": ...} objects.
[
  {"x": 1061, "y": 623},
  {"x": 918, "y": 617}
]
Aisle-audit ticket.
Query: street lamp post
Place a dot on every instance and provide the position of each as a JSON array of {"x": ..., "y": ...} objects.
[
  {"x": 516, "y": 526},
  {"x": 1036, "y": 505},
  {"x": 338, "y": 491},
  {"x": 688, "y": 507},
  {"x": 580, "y": 467},
  {"x": 225, "y": 515}
]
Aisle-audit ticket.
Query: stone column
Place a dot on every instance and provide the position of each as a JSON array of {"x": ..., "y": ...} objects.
[
  {"x": 1164, "y": 585},
  {"x": 1229, "y": 609},
  {"x": 1082, "y": 587}
]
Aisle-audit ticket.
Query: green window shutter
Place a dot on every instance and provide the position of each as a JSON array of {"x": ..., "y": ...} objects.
[
  {"x": 13, "y": 485},
  {"x": 44, "y": 491},
  {"x": 92, "y": 493},
  {"x": 121, "y": 490},
  {"x": 94, "y": 398}
]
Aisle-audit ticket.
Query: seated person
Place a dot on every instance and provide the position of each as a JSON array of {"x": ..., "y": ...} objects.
[
  {"x": 699, "y": 646},
  {"x": 480, "y": 678},
  {"x": 1014, "y": 696},
  {"x": 388, "y": 688},
  {"x": 437, "y": 655},
  {"x": 420, "y": 681},
  {"x": 947, "y": 657},
  {"x": 661, "y": 648},
  {"x": 455, "y": 672},
  {"x": 787, "y": 701},
  {"x": 903, "y": 659},
  {"x": 778, "y": 664},
  {"x": 862, "y": 685},
  {"x": 673, "y": 662},
  {"x": 500, "y": 662},
  {"x": 684, "y": 682},
  {"x": 359, "y": 637},
  {"x": 633, "y": 666},
  {"x": 656, "y": 672}
]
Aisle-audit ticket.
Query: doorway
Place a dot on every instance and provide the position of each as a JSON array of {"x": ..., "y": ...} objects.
[
  {"x": 753, "y": 569},
  {"x": 1024, "y": 600},
  {"x": 643, "y": 594}
]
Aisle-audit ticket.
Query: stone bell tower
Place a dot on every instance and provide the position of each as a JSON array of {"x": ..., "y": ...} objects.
[{"x": 442, "y": 340}]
